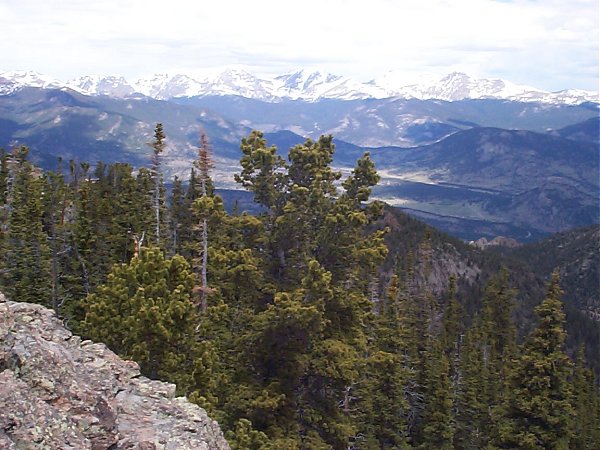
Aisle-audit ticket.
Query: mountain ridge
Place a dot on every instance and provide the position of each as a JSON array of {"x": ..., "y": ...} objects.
[
  {"x": 299, "y": 85},
  {"x": 467, "y": 167}
]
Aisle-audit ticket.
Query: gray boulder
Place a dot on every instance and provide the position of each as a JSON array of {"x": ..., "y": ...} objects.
[{"x": 57, "y": 392}]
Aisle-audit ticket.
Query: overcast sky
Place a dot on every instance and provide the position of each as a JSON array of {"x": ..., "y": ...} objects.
[{"x": 549, "y": 44}]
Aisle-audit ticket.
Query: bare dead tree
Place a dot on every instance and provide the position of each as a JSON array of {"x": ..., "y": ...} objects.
[
  {"x": 204, "y": 165},
  {"x": 158, "y": 146}
]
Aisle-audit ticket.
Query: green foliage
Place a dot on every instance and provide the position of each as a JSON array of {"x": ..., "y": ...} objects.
[
  {"x": 310, "y": 326},
  {"x": 437, "y": 428},
  {"x": 471, "y": 402},
  {"x": 577, "y": 255},
  {"x": 309, "y": 341},
  {"x": 261, "y": 171},
  {"x": 4, "y": 176},
  {"x": 244, "y": 437},
  {"x": 57, "y": 199},
  {"x": 538, "y": 413},
  {"x": 157, "y": 190},
  {"x": 144, "y": 313},
  {"x": 499, "y": 331},
  {"x": 586, "y": 404},
  {"x": 26, "y": 273},
  {"x": 382, "y": 401}
]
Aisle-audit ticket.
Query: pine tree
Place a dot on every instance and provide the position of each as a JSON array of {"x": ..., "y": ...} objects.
[
  {"x": 437, "y": 429},
  {"x": 204, "y": 164},
  {"x": 83, "y": 235},
  {"x": 538, "y": 413},
  {"x": 452, "y": 324},
  {"x": 586, "y": 404},
  {"x": 57, "y": 222},
  {"x": 184, "y": 218},
  {"x": 26, "y": 273},
  {"x": 144, "y": 313},
  {"x": 262, "y": 172},
  {"x": 244, "y": 437},
  {"x": 382, "y": 391},
  {"x": 471, "y": 405},
  {"x": 497, "y": 322},
  {"x": 308, "y": 339},
  {"x": 178, "y": 212},
  {"x": 419, "y": 315},
  {"x": 4, "y": 176},
  {"x": 158, "y": 147},
  {"x": 498, "y": 346}
]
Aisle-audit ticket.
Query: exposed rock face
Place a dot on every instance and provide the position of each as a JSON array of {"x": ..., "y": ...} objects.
[
  {"x": 497, "y": 241},
  {"x": 57, "y": 392},
  {"x": 445, "y": 262}
]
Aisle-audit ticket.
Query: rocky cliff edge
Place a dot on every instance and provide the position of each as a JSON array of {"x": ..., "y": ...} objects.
[{"x": 59, "y": 392}]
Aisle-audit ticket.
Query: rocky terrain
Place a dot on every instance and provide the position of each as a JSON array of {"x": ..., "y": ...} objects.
[
  {"x": 498, "y": 241},
  {"x": 58, "y": 392}
]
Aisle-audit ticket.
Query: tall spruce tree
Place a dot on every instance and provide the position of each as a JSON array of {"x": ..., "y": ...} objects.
[
  {"x": 382, "y": 394},
  {"x": 4, "y": 175},
  {"x": 178, "y": 212},
  {"x": 26, "y": 271},
  {"x": 204, "y": 165},
  {"x": 498, "y": 345},
  {"x": 471, "y": 406},
  {"x": 586, "y": 404},
  {"x": 158, "y": 192},
  {"x": 57, "y": 207},
  {"x": 437, "y": 429},
  {"x": 538, "y": 413}
]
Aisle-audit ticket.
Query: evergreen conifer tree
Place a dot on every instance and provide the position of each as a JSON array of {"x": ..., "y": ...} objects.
[
  {"x": 143, "y": 312},
  {"x": 57, "y": 207},
  {"x": 437, "y": 429},
  {"x": 178, "y": 212},
  {"x": 26, "y": 272},
  {"x": 308, "y": 340},
  {"x": 471, "y": 407},
  {"x": 382, "y": 391},
  {"x": 586, "y": 404},
  {"x": 158, "y": 192},
  {"x": 538, "y": 413},
  {"x": 204, "y": 164}
]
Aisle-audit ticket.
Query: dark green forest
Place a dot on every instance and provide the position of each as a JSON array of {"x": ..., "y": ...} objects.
[{"x": 309, "y": 325}]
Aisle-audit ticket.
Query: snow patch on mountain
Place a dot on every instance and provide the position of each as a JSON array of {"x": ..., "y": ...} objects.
[
  {"x": 12, "y": 81},
  {"x": 97, "y": 85},
  {"x": 460, "y": 86},
  {"x": 314, "y": 86},
  {"x": 302, "y": 85}
]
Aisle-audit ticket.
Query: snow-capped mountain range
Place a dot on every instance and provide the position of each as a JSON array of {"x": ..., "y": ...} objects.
[{"x": 300, "y": 85}]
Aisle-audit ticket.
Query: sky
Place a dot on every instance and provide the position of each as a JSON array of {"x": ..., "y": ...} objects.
[{"x": 548, "y": 44}]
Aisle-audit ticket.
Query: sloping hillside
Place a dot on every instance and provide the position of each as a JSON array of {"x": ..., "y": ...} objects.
[{"x": 576, "y": 253}]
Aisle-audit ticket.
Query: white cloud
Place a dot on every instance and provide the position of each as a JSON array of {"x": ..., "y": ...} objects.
[{"x": 550, "y": 44}]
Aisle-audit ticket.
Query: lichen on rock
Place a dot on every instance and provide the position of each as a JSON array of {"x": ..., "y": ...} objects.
[{"x": 57, "y": 392}]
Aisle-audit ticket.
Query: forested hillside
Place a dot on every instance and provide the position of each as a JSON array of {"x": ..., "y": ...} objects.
[
  {"x": 474, "y": 167},
  {"x": 575, "y": 254},
  {"x": 325, "y": 321}
]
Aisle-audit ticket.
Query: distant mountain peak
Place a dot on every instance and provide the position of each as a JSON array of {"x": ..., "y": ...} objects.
[
  {"x": 14, "y": 80},
  {"x": 303, "y": 84}
]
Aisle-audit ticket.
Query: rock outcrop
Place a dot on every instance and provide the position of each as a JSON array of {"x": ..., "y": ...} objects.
[
  {"x": 498, "y": 241},
  {"x": 57, "y": 392}
]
